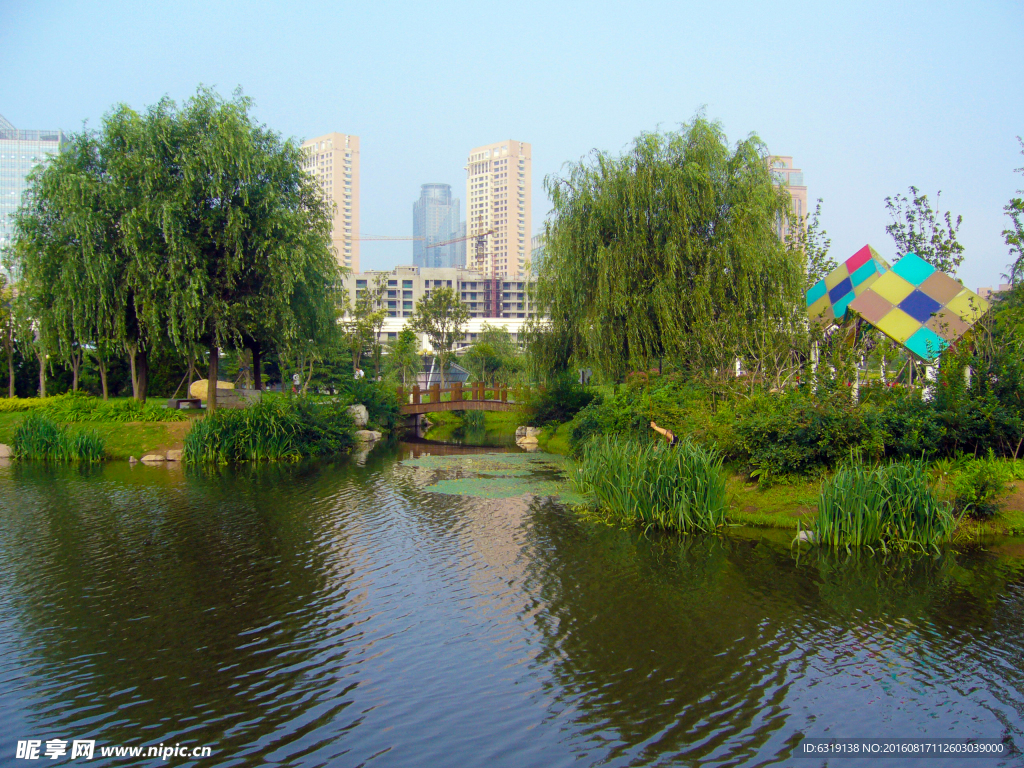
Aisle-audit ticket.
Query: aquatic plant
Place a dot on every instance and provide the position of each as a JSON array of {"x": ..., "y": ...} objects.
[
  {"x": 886, "y": 506},
  {"x": 278, "y": 429},
  {"x": 679, "y": 488},
  {"x": 40, "y": 437}
]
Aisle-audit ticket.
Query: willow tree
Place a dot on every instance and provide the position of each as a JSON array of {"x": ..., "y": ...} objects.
[
  {"x": 243, "y": 251},
  {"x": 669, "y": 251}
]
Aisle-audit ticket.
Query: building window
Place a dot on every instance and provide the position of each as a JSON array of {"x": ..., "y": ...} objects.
[
  {"x": 407, "y": 283},
  {"x": 407, "y": 305}
]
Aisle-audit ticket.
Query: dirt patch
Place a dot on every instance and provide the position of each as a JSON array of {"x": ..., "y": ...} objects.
[
  {"x": 174, "y": 436},
  {"x": 802, "y": 511},
  {"x": 1014, "y": 502}
]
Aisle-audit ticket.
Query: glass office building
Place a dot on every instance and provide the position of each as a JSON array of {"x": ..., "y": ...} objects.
[
  {"x": 20, "y": 152},
  {"x": 435, "y": 219}
]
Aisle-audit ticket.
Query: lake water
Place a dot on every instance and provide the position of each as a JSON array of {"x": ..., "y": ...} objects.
[{"x": 349, "y": 614}]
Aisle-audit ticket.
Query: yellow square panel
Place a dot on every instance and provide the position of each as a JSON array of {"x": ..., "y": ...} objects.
[
  {"x": 898, "y": 325},
  {"x": 969, "y": 305},
  {"x": 817, "y": 309},
  {"x": 836, "y": 276},
  {"x": 892, "y": 287}
]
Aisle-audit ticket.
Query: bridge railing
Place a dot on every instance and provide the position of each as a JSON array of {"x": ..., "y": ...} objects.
[{"x": 459, "y": 392}]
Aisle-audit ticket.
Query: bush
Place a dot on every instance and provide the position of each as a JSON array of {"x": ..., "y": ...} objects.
[
  {"x": 884, "y": 506},
  {"x": 275, "y": 429},
  {"x": 797, "y": 434},
  {"x": 380, "y": 399},
  {"x": 78, "y": 407},
  {"x": 558, "y": 403},
  {"x": 19, "y": 404},
  {"x": 977, "y": 485},
  {"x": 679, "y": 488},
  {"x": 40, "y": 437}
]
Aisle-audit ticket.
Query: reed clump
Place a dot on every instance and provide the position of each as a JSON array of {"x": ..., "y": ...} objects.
[
  {"x": 679, "y": 488},
  {"x": 279, "y": 429},
  {"x": 888, "y": 506},
  {"x": 39, "y": 437}
]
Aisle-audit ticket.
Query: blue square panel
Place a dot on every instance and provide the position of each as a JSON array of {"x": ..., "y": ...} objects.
[
  {"x": 815, "y": 292},
  {"x": 865, "y": 272},
  {"x": 920, "y": 306},
  {"x": 913, "y": 269},
  {"x": 840, "y": 290},
  {"x": 926, "y": 344},
  {"x": 839, "y": 307}
]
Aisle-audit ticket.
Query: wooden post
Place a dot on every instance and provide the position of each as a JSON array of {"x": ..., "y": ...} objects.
[
  {"x": 401, "y": 396},
  {"x": 504, "y": 394},
  {"x": 435, "y": 393},
  {"x": 457, "y": 392},
  {"x": 415, "y": 394}
]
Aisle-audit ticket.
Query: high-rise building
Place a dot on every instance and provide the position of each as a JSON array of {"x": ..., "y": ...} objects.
[
  {"x": 784, "y": 173},
  {"x": 333, "y": 160},
  {"x": 435, "y": 219},
  {"x": 498, "y": 183},
  {"x": 20, "y": 152}
]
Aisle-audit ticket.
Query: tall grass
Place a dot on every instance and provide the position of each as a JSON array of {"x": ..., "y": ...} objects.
[
  {"x": 885, "y": 506},
  {"x": 278, "y": 429},
  {"x": 40, "y": 437},
  {"x": 678, "y": 488},
  {"x": 77, "y": 407}
]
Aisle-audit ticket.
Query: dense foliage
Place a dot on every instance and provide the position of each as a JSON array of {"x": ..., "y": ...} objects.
[
  {"x": 562, "y": 399},
  {"x": 38, "y": 436},
  {"x": 679, "y": 488},
  {"x": 276, "y": 429},
  {"x": 671, "y": 250},
  {"x": 886, "y": 506}
]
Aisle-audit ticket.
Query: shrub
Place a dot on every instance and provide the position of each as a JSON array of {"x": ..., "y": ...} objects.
[
  {"x": 78, "y": 407},
  {"x": 679, "y": 488},
  {"x": 558, "y": 403},
  {"x": 380, "y": 399},
  {"x": 40, "y": 437},
  {"x": 977, "y": 485},
  {"x": 890, "y": 505},
  {"x": 796, "y": 434},
  {"x": 275, "y": 429}
]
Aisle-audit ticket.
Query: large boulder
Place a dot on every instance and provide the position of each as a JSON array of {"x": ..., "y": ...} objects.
[
  {"x": 527, "y": 436},
  {"x": 154, "y": 458},
  {"x": 360, "y": 415},
  {"x": 367, "y": 436},
  {"x": 174, "y": 454},
  {"x": 199, "y": 388}
]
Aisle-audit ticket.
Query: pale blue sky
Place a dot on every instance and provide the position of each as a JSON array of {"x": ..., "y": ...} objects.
[{"x": 867, "y": 97}]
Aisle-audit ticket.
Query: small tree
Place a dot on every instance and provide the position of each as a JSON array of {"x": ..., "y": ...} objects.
[
  {"x": 442, "y": 317},
  {"x": 403, "y": 359},
  {"x": 916, "y": 228},
  {"x": 1014, "y": 235},
  {"x": 7, "y": 331},
  {"x": 810, "y": 239}
]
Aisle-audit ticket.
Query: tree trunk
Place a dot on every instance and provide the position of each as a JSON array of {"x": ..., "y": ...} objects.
[
  {"x": 309, "y": 378},
  {"x": 211, "y": 381},
  {"x": 132, "y": 351},
  {"x": 76, "y": 364},
  {"x": 257, "y": 373},
  {"x": 10, "y": 371},
  {"x": 42, "y": 374},
  {"x": 143, "y": 369},
  {"x": 101, "y": 363}
]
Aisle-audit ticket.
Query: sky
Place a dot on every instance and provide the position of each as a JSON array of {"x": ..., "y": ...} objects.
[{"x": 869, "y": 98}]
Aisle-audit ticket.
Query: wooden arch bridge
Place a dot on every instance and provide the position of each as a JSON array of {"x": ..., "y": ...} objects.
[{"x": 457, "y": 397}]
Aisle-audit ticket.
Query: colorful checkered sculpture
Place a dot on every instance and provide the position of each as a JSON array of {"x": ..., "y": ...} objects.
[
  {"x": 919, "y": 307},
  {"x": 828, "y": 299}
]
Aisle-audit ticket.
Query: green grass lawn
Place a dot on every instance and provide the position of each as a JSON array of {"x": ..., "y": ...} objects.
[{"x": 121, "y": 439}]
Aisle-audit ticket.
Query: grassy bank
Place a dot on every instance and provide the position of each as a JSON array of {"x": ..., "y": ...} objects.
[
  {"x": 498, "y": 426},
  {"x": 121, "y": 439}
]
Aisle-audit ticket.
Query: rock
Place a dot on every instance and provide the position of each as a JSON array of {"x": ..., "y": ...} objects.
[
  {"x": 198, "y": 388},
  {"x": 360, "y": 415},
  {"x": 5, "y": 451},
  {"x": 368, "y": 436},
  {"x": 527, "y": 436},
  {"x": 806, "y": 537},
  {"x": 153, "y": 458},
  {"x": 132, "y": 460},
  {"x": 174, "y": 454}
]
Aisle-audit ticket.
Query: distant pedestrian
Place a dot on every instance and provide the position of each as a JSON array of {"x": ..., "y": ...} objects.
[
  {"x": 670, "y": 436},
  {"x": 359, "y": 373}
]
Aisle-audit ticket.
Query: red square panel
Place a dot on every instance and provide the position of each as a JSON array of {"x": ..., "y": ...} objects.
[{"x": 859, "y": 259}]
